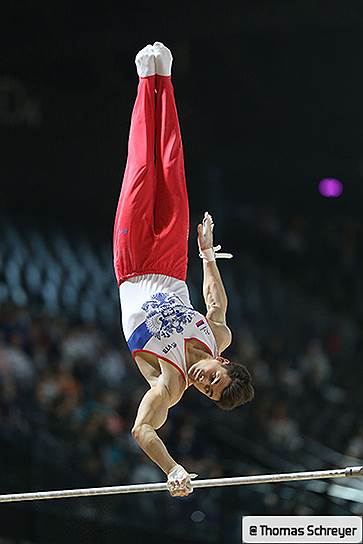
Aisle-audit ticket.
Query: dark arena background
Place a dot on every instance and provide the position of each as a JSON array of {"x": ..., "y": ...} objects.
[{"x": 269, "y": 96}]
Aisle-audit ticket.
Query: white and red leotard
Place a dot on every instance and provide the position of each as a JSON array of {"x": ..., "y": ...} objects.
[{"x": 158, "y": 318}]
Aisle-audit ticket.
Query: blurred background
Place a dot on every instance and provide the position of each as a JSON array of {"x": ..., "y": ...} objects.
[{"x": 270, "y": 103}]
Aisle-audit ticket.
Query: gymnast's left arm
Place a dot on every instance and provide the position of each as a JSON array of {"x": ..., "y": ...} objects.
[{"x": 151, "y": 415}]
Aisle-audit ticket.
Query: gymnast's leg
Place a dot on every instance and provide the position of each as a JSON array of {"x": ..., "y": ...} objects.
[
  {"x": 171, "y": 214},
  {"x": 133, "y": 229}
]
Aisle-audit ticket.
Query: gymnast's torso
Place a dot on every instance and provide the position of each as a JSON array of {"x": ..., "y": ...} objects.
[{"x": 160, "y": 325}]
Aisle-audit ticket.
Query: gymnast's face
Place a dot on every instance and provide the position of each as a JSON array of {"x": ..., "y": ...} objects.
[{"x": 210, "y": 376}]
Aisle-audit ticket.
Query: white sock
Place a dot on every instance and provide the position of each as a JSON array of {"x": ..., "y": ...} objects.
[
  {"x": 145, "y": 62},
  {"x": 163, "y": 59}
]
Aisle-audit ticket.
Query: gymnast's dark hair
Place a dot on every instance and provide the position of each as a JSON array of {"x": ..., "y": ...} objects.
[{"x": 240, "y": 390}]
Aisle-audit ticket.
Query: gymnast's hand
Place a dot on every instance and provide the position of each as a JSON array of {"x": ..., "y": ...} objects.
[
  {"x": 179, "y": 482},
  {"x": 205, "y": 232},
  {"x": 207, "y": 251}
]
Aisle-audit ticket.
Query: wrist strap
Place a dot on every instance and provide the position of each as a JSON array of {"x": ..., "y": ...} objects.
[
  {"x": 178, "y": 472},
  {"x": 211, "y": 254}
]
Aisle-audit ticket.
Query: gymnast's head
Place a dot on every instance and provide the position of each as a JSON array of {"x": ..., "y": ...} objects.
[{"x": 229, "y": 384}]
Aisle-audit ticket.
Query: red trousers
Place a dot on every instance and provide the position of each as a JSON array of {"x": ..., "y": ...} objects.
[{"x": 152, "y": 219}]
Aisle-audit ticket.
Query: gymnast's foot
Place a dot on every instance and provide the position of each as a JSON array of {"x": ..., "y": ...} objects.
[
  {"x": 145, "y": 62},
  {"x": 163, "y": 59}
]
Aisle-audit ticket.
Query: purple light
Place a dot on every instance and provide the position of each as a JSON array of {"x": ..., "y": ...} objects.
[{"x": 330, "y": 187}]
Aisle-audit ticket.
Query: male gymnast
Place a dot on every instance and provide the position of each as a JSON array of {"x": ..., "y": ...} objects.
[{"x": 173, "y": 345}]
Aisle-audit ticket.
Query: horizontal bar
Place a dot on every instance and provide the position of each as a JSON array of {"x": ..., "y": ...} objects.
[{"x": 349, "y": 472}]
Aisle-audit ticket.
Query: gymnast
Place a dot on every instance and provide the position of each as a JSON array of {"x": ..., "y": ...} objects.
[{"x": 173, "y": 345}]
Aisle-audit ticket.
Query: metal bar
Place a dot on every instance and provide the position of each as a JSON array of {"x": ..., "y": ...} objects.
[{"x": 214, "y": 482}]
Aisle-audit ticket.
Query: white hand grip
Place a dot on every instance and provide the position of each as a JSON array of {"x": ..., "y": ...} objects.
[{"x": 211, "y": 254}]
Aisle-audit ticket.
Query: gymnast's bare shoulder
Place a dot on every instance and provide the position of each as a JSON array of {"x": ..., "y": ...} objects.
[
  {"x": 222, "y": 334},
  {"x": 156, "y": 372}
]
